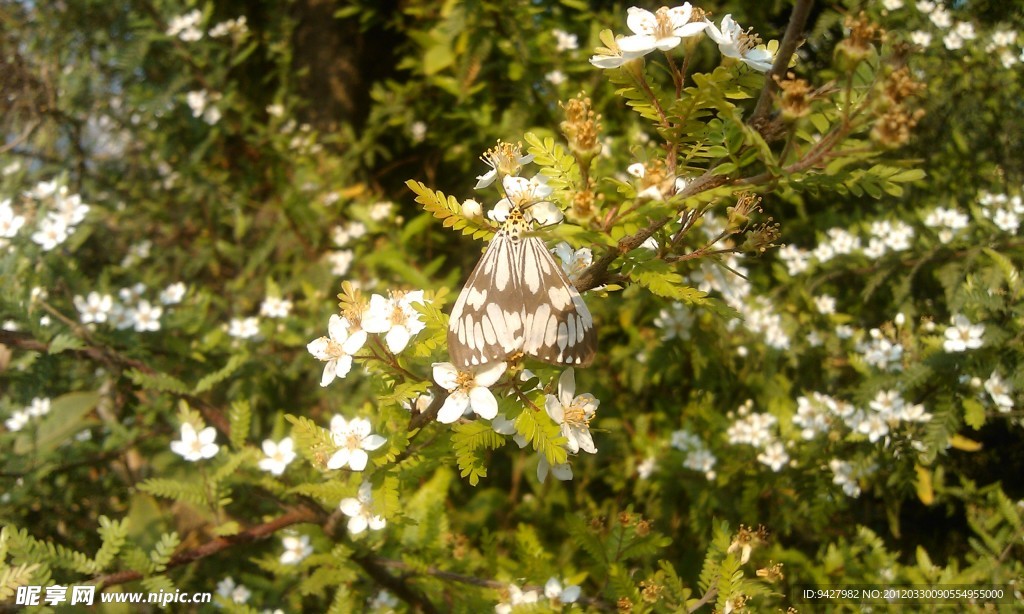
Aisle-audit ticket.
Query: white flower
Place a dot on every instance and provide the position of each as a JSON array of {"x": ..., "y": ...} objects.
[
  {"x": 237, "y": 593},
  {"x": 530, "y": 196},
  {"x": 173, "y": 294},
  {"x": 360, "y": 511},
  {"x": 553, "y": 590},
  {"x": 941, "y": 18},
  {"x": 1000, "y": 392},
  {"x": 613, "y": 56},
  {"x": 275, "y": 110},
  {"x": 774, "y": 456},
  {"x": 10, "y": 223},
  {"x": 662, "y": 30},
  {"x": 337, "y": 349},
  {"x": 952, "y": 41},
  {"x": 574, "y": 262},
  {"x": 797, "y": 259},
  {"x": 646, "y": 467},
  {"x": 555, "y": 77},
  {"x": 70, "y": 208},
  {"x": 892, "y": 5},
  {"x": 564, "y": 40},
  {"x": 467, "y": 390},
  {"x": 354, "y": 439},
  {"x": 505, "y": 160},
  {"x": 381, "y": 211},
  {"x": 296, "y": 548},
  {"x": 275, "y": 307},
  {"x": 925, "y": 6},
  {"x": 196, "y": 446},
  {"x": 675, "y": 322},
  {"x": 94, "y": 308},
  {"x": 733, "y": 42},
  {"x": 573, "y": 413},
  {"x": 279, "y": 455},
  {"x": 146, "y": 317},
  {"x": 244, "y": 328},
  {"x": 17, "y": 421},
  {"x": 963, "y": 335},
  {"x": 921, "y": 38},
  {"x": 966, "y": 30},
  {"x": 515, "y": 597},
  {"x": 340, "y": 261},
  {"x": 53, "y": 231},
  {"x": 874, "y": 426},
  {"x": 396, "y": 317},
  {"x": 234, "y": 27},
  {"x": 39, "y": 407},
  {"x": 471, "y": 208},
  {"x": 418, "y": 131},
  {"x": 825, "y": 304},
  {"x": 184, "y": 26},
  {"x": 1006, "y": 220},
  {"x": 561, "y": 471}
]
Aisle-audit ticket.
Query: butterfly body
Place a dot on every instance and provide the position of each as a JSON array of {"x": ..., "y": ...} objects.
[{"x": 518, "y": 299}]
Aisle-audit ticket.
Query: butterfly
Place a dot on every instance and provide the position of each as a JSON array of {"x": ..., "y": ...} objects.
[{"x": 518, "y": 299}]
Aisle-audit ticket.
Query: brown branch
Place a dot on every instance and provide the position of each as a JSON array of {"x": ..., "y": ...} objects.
[
  {"x": 790, "y": 41},
  {"x": 261, "y": 531},
  {"x": 597, "y": 274},
  {"x": 403, "y": 590}
]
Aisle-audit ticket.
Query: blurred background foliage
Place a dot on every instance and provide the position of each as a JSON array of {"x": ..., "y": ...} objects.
[{"x": 229, "y": 162}]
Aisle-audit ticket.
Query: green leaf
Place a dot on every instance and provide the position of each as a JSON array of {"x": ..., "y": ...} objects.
[
  {"x": 469, "y": 440},
  {"x": 239, "y": 417},
  {"x": 211, "y": 379},
  {"x": 62, "y": 342},
  {"x": 449, "y": 211},
  {"x": 543, "y": 434},
  {"x": 157, "y": 381},
  {"x": 66, "y": 418}
]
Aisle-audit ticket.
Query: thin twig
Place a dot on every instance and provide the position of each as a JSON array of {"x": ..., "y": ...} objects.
[{"x": 790, "y": 41}]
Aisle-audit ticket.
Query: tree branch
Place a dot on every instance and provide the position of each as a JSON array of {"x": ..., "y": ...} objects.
[
  {"x": 296, "y": 515},
  {"x": 790, "y": 41}
]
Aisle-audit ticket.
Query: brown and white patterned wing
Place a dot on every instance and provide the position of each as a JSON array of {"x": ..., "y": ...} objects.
[
  {"x": 558, "y": 327},
  {"x": 486, "y": 323}
]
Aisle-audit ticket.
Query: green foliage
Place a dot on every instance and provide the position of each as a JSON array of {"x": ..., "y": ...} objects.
[
  {"x": 470, "y": 440},
  {"x": 449, "y": 211}
]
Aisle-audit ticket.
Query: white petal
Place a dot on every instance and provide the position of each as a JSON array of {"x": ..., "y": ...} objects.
[
  {"x": 337, "y": 328},
  {"x": 357, "y": 461},
  {"x": 357, "y": 524},
  {"x": 372, "y": 442},
  {"x": 377, "y": 523},
  {"x": 570, "y": 594},
  {"x": 207, "y": 435},
  {"x": 486, "y": 179},
  {"x": 586, "y": 441},
  {"x": 641, "y": 21},
  {"x": 397, "y": 338},
  {"x": 546, "y": 213},
  {"x": 446, "y": 375},
  {"x": 567, "y": 387},
  {"x": 339, "y": 459},
  {"x": 376, "y": 319},
  {"x": 342, "y": 366},
  {"x": 562, "y": 472},
  {"x": 638, "y": 44},
  {"x": 483, "y": 402},
  {"x": 454, "y": 406},
  {"x": 552, "y": 588},
  {"x": 354, "y": 342},
  {"x": 489, "y": 373},
  {"x": 554, "y": 408},
  {"x": 351, "y": 506}
]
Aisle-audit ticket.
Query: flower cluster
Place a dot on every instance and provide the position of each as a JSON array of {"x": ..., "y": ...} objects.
[
  {"x": 64, "y": 211},
  {"x": 131, "y": 311},
  {"x": 666, "y": 28},
  {"x": 698, "y": 456},
  {"x": 395, "y": 317},
  {"x": 38, "y": 408}
]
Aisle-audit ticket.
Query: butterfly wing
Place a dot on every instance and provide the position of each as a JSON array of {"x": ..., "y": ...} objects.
[
  {"x": 558, "y": 326},
  {"x": 486, "y": 323}
]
